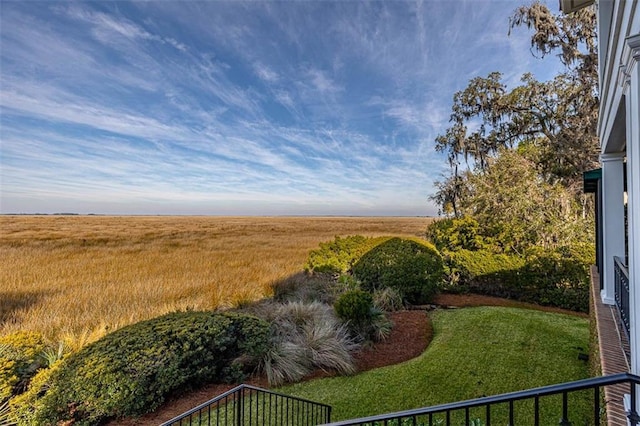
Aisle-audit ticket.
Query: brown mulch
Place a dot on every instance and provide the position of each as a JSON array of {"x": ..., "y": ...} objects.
[
  {"x": 469, "y": 300},
  {"x": 409, "y": 337}
]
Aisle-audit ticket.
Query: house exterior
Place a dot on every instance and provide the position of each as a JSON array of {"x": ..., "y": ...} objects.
[{"x": 617, "y": 183}]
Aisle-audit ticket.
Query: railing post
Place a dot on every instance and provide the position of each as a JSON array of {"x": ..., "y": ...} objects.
[
  {"x": 230, "y": 409},
  {"x": 239, "y": 406},
  {"x": 564, "y": 421},
  {"x": 612, "y": 218},
  {"x": 511, "y": 422},
  {"x": 632, "y": 415}
]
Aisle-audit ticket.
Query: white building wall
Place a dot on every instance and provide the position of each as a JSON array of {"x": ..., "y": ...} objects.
[
  {"x": 631, "y": 86},
  {"x": 612, "y": 220},
  {"x": 620, "y": 20},
  {"x": 619, "y": 132}
]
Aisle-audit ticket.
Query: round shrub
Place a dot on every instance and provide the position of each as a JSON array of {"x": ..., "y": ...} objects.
[
  {"x": 414, "y": 269},
  {"x": 365, "y": 321},
  {"x": 354, "y": 307},
  {"x": 132, "y": 370}
]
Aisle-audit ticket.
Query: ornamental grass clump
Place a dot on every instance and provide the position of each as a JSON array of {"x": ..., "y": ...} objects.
[
  {"x": 388, "y": 299},
  {"x": 305, "y": 287},
  {"x": 305, "y": 337}
]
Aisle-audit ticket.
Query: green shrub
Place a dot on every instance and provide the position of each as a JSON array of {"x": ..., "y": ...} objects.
[
  {"x": 414, "y": 269},
  {"x": 547, "y": 277},
  {"x": 339, "y": 255},
  {"x": 483, "y": 271},
  {"x": 23, "y": 407},
  {"x": 364, "y": 320},
  {"x": 455, "y": 234},
  {"x": 354, "y": 307},
  {"x": 20, "y": 359},
  {"x": 131, "y": 371},
  {"x": 560, "y": 277}
]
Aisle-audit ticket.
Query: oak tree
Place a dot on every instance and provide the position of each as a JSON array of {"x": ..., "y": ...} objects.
[{"x": 517, "y": 154}]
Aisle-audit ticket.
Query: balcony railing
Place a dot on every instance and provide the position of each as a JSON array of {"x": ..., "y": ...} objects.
[
  {"x": 523, "y": 407},
  {"x": 247, "y": 405},
  {"x": 622, "y": 290}
]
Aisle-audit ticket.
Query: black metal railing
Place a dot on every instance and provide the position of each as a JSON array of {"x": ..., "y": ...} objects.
[
  {"x": 622, "y": 290},
  {"x": 523, "y": 407},
  {"x": 247, "y": 405}
]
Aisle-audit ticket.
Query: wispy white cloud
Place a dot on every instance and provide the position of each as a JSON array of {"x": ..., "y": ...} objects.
[
  {"x": 232, "y": 107},
  {"x": 322, "y": 83},
  {"x": 110, "y": 28},
  {"x": 265, "y": 73}
]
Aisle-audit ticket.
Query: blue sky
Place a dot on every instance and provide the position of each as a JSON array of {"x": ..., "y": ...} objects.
[{"x": 256, "y": 108}]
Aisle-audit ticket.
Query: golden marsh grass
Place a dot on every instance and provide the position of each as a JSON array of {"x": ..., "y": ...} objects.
[{"x": 78, "y": 277}]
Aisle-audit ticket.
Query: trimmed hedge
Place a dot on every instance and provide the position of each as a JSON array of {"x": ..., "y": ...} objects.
[
  {"x": 131, "y": 371},
  {"x": 557, "y": 277},
  {"x": 483, "y": 271},
  {"x": 560, "y": 277},
  {"x": 339, "y": 255},
  {"x": 24, "y": 407},
  {"x": 20, "y": 359},
  {"x": 415, "y": 269}
]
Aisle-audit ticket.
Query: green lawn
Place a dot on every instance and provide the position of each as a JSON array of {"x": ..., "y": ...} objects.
[{"x": 475, "y": 352}]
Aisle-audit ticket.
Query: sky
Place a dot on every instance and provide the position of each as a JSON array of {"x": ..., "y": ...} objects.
[{"x": 240, "y": 108}]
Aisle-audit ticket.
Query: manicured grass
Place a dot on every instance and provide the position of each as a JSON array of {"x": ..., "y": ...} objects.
[{"x": 475, "y": 352}]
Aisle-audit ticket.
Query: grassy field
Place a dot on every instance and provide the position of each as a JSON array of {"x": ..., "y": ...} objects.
[
  {"x": 475, "y": 352},
  {"x": 78, "y": 277}
]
